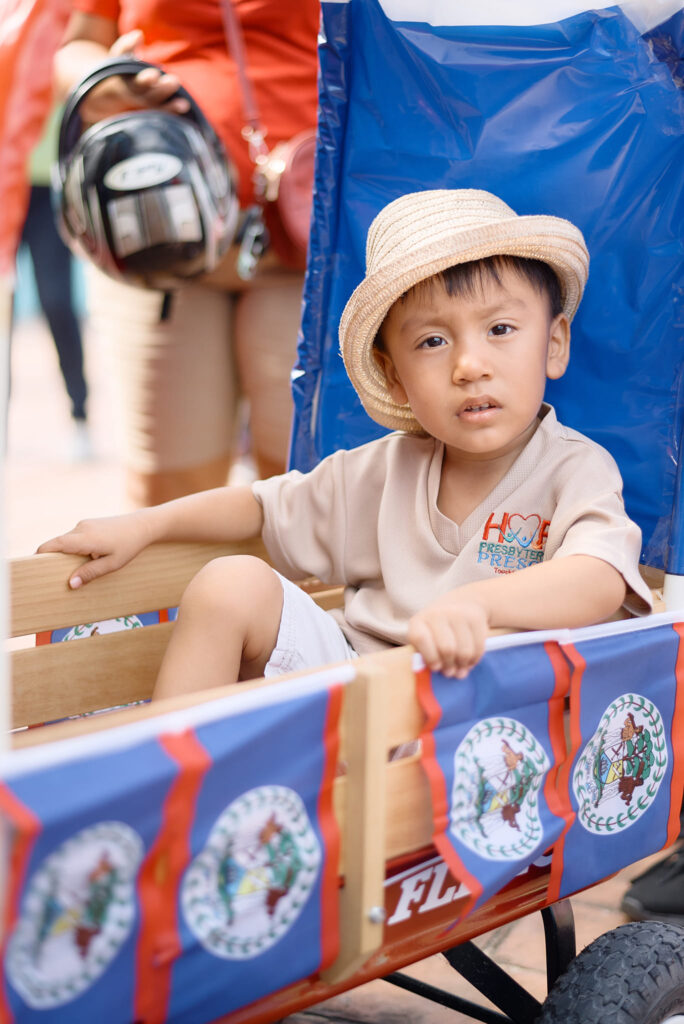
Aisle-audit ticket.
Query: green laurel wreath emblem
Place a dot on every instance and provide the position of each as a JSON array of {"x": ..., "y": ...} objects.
[
  {"x": 495, "y": 806},
  {"x": 88, "y": 629},
  {"x": 251, "y": 880},
  {"x": 600, "y": 808},
  {"x": 78, "y": 909}
]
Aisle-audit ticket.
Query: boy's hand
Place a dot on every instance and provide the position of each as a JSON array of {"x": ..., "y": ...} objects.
[
  {"x": 110, "y": 543},
  {"x": 450, "y": 633}
]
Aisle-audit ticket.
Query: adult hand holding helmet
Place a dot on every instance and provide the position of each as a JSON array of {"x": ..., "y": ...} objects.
[
  {"x": 146, "y": 194},
  {"x": 149, "y": 88}
]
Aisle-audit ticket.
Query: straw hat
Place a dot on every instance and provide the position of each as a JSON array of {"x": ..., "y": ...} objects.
[{"x": 423, "y": 233}]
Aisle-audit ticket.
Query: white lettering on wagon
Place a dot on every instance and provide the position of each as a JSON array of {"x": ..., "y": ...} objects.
[
  {"x": 423, "y": 889},
  {"x": 430, "y": 886}
]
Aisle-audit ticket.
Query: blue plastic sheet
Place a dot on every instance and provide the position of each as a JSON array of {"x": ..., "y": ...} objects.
[{"x": 581, "y": 118}]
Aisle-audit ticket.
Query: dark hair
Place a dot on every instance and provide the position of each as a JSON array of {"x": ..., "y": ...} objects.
[{"x": 468, "y": 278}]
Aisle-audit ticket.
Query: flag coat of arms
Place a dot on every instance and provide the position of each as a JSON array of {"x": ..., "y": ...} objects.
[{"x": 514, "y": 776}]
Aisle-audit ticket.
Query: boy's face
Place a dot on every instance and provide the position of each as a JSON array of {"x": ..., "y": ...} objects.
[{"x": 473, "y": 367}]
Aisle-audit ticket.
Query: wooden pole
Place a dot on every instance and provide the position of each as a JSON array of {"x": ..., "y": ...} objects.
[
  {"x": 362, "y": 906},
  {"x": 5, "y": 327},
  {"x": 6, "y": 285}
]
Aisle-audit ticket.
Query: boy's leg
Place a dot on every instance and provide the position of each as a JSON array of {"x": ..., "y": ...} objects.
[{"x": 227, "y": 626}]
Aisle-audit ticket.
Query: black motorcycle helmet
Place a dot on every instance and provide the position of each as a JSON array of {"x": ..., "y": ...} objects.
[{"x": 148, "y": 196}]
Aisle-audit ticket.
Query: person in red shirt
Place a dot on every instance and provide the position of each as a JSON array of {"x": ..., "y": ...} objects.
[{"x": 182, "y": 370}]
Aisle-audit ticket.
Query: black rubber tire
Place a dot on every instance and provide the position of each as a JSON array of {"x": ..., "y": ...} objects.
[{"x": 631, "y": 975}]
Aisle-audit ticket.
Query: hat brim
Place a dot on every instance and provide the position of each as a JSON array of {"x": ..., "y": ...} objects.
[{"x": 551, "y": 240}]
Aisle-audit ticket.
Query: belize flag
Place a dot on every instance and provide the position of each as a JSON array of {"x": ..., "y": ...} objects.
[
  {"x": 625, "y": 774},
  {"x": 491, "y": 749},
  {"x": 513, "y": 775},
  {"x": 257, "y": 905},
  {"x": 82, "y": 828},
  {"x": 159, "y": 869}
]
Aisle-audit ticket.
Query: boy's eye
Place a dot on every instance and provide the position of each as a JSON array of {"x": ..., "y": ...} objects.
[
  {"x": 500, "y": 330},
  {"x": 434, "y": 341}
]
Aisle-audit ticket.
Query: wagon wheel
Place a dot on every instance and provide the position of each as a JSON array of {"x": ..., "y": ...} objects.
[{"x": 631, "y": 975}]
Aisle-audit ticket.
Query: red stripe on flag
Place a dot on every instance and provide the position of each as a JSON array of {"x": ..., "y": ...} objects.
[
  {"x": 159, "y": 941},
  {"x": 433, "y": 712},
  {"x": 440, "y": 802},
  {"x": 330, "y": 924},
  {"x": 556, "y": 787},
  {"x": 27, "y": 828},
  {"x": 578, "y": 666},
  {"x": 677, "y": 783}
]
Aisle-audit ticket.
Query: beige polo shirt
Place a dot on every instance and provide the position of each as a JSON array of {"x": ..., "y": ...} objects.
[{"x": 368, "y": 518}]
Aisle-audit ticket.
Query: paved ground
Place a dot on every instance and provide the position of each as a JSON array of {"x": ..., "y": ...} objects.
[{"x": 46, "y": 493}]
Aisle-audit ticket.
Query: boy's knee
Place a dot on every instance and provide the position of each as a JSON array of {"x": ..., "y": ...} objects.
[{"x": 233, "y": 584}]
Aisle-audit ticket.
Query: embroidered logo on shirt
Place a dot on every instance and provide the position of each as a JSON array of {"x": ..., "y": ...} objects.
[{"x": 514, "y": 542}]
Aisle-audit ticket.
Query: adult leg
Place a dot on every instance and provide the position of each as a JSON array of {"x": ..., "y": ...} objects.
[
  {"x": 227, "y": 627},
  {"x": 267, "y": 321},
  {"x": 177, "y": 395},
  {"x": 52, "y": 267}
]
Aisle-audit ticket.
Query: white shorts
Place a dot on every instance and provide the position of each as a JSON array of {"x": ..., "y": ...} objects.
[{"x": 308, "y": 637}]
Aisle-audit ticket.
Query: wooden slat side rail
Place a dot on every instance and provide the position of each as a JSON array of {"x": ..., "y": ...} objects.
[
  {"x": 364, "y": 752},
  {"x": 44, "y": 670},
  {"x": 408, "y": 825},
  {"x": 406, "y": 787},
  {"x": 55, "y": 681},
  {"x": 99, "y": 723},
  {"x": 58, "y": 680},
  {"x": 41, "y": 599}
]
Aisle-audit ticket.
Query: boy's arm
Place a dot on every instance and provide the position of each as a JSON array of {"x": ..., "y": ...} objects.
[
  {"x": 222, "y": 515},
  {"x": 566, "y": 592}
]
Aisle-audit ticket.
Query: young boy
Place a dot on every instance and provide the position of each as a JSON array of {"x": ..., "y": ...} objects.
[{"x": 464, "y": 312}]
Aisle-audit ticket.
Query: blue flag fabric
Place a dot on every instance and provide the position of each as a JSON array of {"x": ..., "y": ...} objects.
[
  {"x": 581, "y": 118},
  {"x": 621, "y": 790},
  {"x": 507, "y": 786},
  {"x": 490, "y": 749},
  {"x": 254, "y": 909},
  {"x": 71, "y": 954},
  {"x": 174, "y": 876},
  {"x": 122, "y": 622}
]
